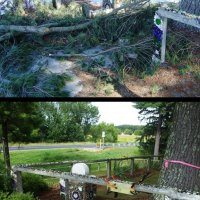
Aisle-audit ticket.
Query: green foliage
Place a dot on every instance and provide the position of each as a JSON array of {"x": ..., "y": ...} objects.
[
  {"x": 152, "y": 112},
  {"x": 16, "y": 196},
  {"x": 22, "y": 118},
  {"x": 68, "y": 121},
  {"x": 178, "y": 48},
  {"x": 139, "y": 132},
  {"x": 33, "y": 183},
  {"x": 121, "y": 168},
  {"x": 111, "y": 132},
  {"x": 5, "y": 182},
  {"x": 183, "y": 69},
  {"x": 131, "y": 128}
]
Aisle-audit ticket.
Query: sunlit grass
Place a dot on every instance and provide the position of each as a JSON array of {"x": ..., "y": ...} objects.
[
  {"x": 127, "y": 138},
  {"x": 53, "y": 155}
]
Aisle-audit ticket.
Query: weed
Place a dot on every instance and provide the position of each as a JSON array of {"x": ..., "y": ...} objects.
[
  {"x": 184, "y": 69},
  {"x": 155, "y": 89}
]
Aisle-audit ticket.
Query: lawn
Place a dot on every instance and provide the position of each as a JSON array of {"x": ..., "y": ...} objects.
[
  {"x": 53, "y": 155},
  {"x": 127, "y": 138}
]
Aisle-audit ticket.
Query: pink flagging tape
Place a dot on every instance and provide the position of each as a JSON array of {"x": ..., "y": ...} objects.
[{"x": 166, "y": 163}]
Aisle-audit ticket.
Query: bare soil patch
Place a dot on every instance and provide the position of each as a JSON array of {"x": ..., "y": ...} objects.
[{"x": 166, "y": 82}]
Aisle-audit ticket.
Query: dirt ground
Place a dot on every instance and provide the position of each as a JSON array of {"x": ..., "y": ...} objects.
[{"x": 166, "y": 82}]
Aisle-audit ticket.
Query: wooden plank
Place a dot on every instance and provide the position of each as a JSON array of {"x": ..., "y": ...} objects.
[
  {"x": 148, "y": 164},
  {"x": 109, "y": 169},
  {"x": 192, "y": 21},
  {"x": 164, "y": 38},
  {"x": 132, "y": 166}
]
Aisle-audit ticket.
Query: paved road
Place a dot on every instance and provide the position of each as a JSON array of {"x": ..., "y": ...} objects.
[{"x": 59, "y": 146}]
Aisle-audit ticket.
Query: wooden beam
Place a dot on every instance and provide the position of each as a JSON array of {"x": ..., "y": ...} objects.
[
  {"x": 148, "y": 164},
  {"x": 164, "y": 40},
  {"x": 109, "y": 169},
  {"x": 132, "y": 166},
  {"x": 192, "y": 21}
]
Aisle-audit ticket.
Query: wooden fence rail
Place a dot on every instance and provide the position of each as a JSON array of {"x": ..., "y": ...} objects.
[{"x": 108, "y": 163}]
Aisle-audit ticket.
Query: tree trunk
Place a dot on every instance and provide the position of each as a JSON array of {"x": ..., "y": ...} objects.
[
  {"x": 5, "y": 147},
  {"x": 191, "y": 6},
  {"x": 158, "y": 134},
  {"x": 183, "y": 145}
]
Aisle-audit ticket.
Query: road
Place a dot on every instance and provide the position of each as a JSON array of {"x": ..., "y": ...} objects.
[{"x": 59, "y": 146}]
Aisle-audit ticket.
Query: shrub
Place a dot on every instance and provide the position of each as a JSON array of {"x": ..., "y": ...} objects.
[
  {"x": 33, "y": 183},
  {"x": 17, "y": 196},
  {"x": 5, "y": 182}
]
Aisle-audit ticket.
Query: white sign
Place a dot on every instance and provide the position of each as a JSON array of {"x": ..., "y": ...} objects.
[{"x": 103, "y": 134}]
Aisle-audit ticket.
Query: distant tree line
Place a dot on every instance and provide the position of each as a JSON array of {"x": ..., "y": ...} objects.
[{"x": 129, "y": 129}]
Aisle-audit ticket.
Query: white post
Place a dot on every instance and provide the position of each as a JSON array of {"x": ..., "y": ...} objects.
[
  {"x": 164, "y": 38},
  {"x": 103, "y": 136}
]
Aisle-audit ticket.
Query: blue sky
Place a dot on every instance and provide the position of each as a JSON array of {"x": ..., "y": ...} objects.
[{"x": 118, "y": 113}]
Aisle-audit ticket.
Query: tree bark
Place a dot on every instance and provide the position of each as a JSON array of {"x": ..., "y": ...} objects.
[
  {"x": 183, "y": 145},
  {"x": 191, "y": 6},
  {"x": 158, "y": 134},
  {"x": 5, "y": 147}
]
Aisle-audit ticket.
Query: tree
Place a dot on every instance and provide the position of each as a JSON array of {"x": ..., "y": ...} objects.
[
  {"x": 17, "y": 120},
  {"x": 190, "y": 6},
  {"x": 68, "y": 121},
  {"x": 157, "y": 115},
  {"x": 183, "y": 145},
  {"x": 111, "y": 132},
  {"x": 82, "y": 113}
]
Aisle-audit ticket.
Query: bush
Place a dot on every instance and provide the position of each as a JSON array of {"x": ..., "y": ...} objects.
[
  {"x": 16, "y": 196},
  {"x": 5, "y": 182},
  {"x": 33, "y": 183}
]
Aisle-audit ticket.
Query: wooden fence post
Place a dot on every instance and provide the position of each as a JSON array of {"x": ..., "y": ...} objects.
[
  {"x": 148, "y": 164},
  {"x": 164, "y": 38},
  {"x": 98, "y": 166},
  {"x": 18, "y": 181},
  {"x": 108, "y": 169},
  {"x": 132, "y": 166}
]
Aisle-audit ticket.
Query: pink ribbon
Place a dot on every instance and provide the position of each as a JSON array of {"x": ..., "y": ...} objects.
[{"x": 166, "y": 163}]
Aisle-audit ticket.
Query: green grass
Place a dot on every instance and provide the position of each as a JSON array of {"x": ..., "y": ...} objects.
[
  {"x": 127, "y": 138},
  {"x": 53, "y": 155}
]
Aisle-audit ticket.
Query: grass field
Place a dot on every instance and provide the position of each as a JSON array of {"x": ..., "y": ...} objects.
[
  {"x": 53, "y": 155},
  {"x": 127, "y": 138}
]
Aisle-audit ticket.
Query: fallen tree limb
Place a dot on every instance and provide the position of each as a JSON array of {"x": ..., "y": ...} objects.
[{"x": 44, "y": 30}]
